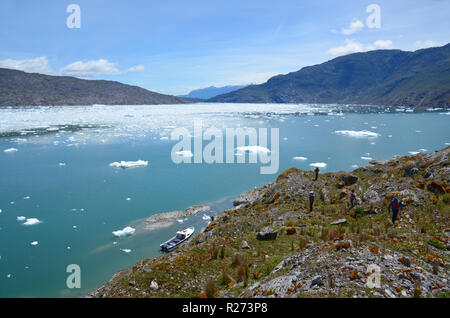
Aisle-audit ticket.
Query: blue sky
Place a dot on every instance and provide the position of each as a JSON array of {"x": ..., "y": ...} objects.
[{"x": 174, "y": 46}]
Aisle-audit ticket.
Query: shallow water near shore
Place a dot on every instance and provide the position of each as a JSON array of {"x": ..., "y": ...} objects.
[{"x": 60, "y": 174}]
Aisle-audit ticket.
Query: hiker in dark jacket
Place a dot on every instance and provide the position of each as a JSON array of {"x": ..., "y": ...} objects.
[
  {"x": 395, "y": 205},
  {"x": 352, "y": 199},
  {"x": 317, "y": 173},
  {"x": 311, "y": 200}
]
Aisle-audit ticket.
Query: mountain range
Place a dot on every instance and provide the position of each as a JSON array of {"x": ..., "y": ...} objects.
[
  {"x": 381, "y": 77},
  {"x": 18, "y": 88},
  {"x": 212, "y": 91}
]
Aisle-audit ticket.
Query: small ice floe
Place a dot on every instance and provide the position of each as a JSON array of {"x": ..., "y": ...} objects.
[
  {"x": 285, "y": 138},
  {"x": 12, "y": 202},
  {"x": 74, "y": 227},
  {"x": 164, "y": 138},
  {"x": 418, "y": 131},
  {"x": 31, "y": 221},
  {"x": 180, "y": 221},
  {"x": 125, "y": 250},
  {"x": 62, "y": 164},
  {"x": 68, "y": 247},
  {"x": 413, "y": 152},
  {"x": 318, "y": 164},
  {"x": 389, "y": 136},
  {"x": 206, "y": 217},
  {"x": 299, "y": 158},
  {"x": 254, "y": 149},
  {"x": 125, "y": 232},
  {"x": 374, "y": 127},
  {"x": 423, "y": 150},
  {"x": 316, "y": 125},
  {"x": 1, "y": 211},
  {"x": 372, "y": 143},
  {"x": 366, "y": 158},
  {"x": 34, "y": 243},
  {"x": 8, "y": 276},
  {"x": 26, "y": 198},
  {"x": 184, "y": 153},
  {"x": 129, "y": 164},
  {"x": 447, "y": 143},
  {"x": 128, "y": 199},
  {"x": 28, "y": 221},
  {"x": 9, "y": 150},
  {"x": 357, "y": 134},
  {"x": 355, "y": 166}
]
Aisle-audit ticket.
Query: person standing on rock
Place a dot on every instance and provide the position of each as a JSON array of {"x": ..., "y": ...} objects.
[
  {"x": 311, "y": 200},
  {"x": 317, "y": 173},
  {"x": 395, "y": 205},
  {"x": 352, "y": 199}
]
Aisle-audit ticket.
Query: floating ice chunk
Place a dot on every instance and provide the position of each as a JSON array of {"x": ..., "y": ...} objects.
[
  {"x": 164, "y": 138},
  {"x": 126, "y": 250},
  {"x": 355, "y": 166},
  {"x": 447, "y": 143},
  {"x": 372, "y": 143},
  {"x": 31, "y": 221},
  {"x": 206, "y": 217},
  {"x": 255, "y": 149},
  {"x": 413, "y": 152},
  {"x": 128, "y": 199},
  {"x": 125, "y": 232},
  {"x": 68, "y": 247},
  {"x": 62, "y": 164},
  {"x": 26, "y": 198},
  {"x": 423, "y": 150},
  {"x": 285, "y": 138},
  {"x": 300, "y": 158},
  {"x": 418, "y": 131},
  {"x": 357, "y": 134},
  {"x": 21, "y": 218},
  {"x": 316, "y": 125},
  {"x": 129, "y": 164},
  {"x": 180, "y": 221},
  {"x": 185, "y": 153},
  {"x": 1, "y": 211},
  {"x": 390, "y": 136},
  {"x": 12, "y": 202},
  {"x": 366, "y": 158},
  {"x": 8, "y": 276},
  {"x": 10, "y": 150},
  {"x": 34, "y": 243},
  {"x": 318, "y": 164}
]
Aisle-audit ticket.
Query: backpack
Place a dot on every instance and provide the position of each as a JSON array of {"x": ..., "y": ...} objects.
[{"x": 396, "y": 204}]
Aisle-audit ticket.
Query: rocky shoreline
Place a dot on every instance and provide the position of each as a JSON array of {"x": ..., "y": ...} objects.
[
  {"x": 167, "y": 219},
  {"x": 270, "y": 245}
]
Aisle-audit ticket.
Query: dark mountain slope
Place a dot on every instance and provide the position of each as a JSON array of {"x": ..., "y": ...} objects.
[
  {"x": 382, "y": 77},
  {"x": 18, "y": 88}
]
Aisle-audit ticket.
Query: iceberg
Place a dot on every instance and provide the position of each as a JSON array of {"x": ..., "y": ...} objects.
[
  {"x": 366, "y": 158},
  {"x": 10, "y": 150},
  {"x": 255, "y": 149},
  {"x": 318, "y": 164},
  {"x": 357, "y": 134},
  {"x": 206, "y": 217},
  {"x": 125, "y": 232},
  {"x": 128, "y": 164},
  {"x": 21, "y": 218},
  {"x": 300, "y": 158},
  {"x": 34, "y": 243},
  {"x": 413, "y": 152},
  {"x": 31, "y": 221},
  {"x": 126, "y": 250}
]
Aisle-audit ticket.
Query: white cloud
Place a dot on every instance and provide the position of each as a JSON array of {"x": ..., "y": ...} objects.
[
  {"x": 383, "y": 44},
  {"x": 90, "y": 68},
  {"x": 136, "y": 68},
  {"x": 36, "y": 65},
  {"x": 352, "y": 46},
  {"x": 355, "y": 27},
  {"x": 425, "y": 44}
]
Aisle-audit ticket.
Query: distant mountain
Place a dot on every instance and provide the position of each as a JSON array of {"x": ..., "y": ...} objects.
[
  {"x": 382, "y": 77},
  {"x": 212, "y": 91},
  {"x": 32, "y": 89}
]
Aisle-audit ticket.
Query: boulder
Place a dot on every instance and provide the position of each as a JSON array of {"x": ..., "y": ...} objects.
[
  {"x": 266, "y": 234},
  {"x": 316, "y": 281},
  {"x": 244, "y": 245},
  {"x": 349, "y": 179},
  {"x": 372, "y": 196},
  {"x": 154, "y": 285},
  {"x": 339, "y": 222}
]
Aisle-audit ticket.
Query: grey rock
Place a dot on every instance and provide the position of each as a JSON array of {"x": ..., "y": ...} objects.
[
  {"x": 266, "y": 234},
  {"x": 244, "y": 245}
]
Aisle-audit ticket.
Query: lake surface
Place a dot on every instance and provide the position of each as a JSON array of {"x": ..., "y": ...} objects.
[{"x": 57, "y": 170}]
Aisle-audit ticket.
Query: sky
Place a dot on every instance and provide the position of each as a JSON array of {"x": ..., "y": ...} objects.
[{"x": 175, "y": 46}]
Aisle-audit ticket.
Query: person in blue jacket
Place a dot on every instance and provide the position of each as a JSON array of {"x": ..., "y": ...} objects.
[{"x": 395, "y": 205}]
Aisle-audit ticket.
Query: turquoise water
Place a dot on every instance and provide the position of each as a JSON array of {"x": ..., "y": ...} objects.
[{"x": 89, "y": 194}]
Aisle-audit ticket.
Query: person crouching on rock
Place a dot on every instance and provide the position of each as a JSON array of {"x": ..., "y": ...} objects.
[
  {"x": 352, "y": 199},
  {"x": 395, "y": 205},
  {"x": 311, "y": 200}
]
